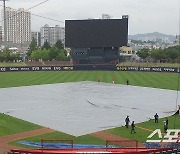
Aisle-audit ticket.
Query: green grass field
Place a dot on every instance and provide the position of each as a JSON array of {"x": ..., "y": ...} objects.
[
  {"x": 156, "y": 80},
  {"x": 10, "y": 125},
  {"x": 145, "y": 79}
]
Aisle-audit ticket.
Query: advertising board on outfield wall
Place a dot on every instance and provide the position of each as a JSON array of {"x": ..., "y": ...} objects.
[
  {"x": 89, "y": 67},
  {"x": 148, "y": 69},
  {"x": 36, "y": 68}
]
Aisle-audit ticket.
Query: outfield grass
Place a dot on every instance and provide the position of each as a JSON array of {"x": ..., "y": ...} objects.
[
  {"x": 10, "y": 125},
  {"x": 145, "y": 79}
]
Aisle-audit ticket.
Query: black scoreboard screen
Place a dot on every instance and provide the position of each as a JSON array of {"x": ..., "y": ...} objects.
[{"x": 96, "y": 33}]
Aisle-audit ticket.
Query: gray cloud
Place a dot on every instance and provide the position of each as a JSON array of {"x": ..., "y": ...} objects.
[{"x": 145, "y": 15}]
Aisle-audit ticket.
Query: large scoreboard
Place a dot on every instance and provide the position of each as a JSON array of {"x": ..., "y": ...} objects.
[
  {"x": 96, "y": 33},
  {"x": 96, "y": 40}
]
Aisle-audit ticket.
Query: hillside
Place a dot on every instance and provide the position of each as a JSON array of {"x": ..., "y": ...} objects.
[{"x": 154, "y": 34}]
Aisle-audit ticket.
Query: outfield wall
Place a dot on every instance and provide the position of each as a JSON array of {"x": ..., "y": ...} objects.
[{"x": 89, "y": 67}]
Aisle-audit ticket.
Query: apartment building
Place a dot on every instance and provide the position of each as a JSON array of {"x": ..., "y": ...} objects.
[
  {"x": 52, "y": 34},
  {"x": 18, "y": 23},
  {"x": 37, "y": 37}
]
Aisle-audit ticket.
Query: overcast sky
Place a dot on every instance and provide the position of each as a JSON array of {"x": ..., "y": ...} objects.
[{"x": 145, "y": 16}]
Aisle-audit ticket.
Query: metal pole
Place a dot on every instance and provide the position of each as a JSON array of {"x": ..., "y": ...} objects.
[{"x": 5, "y": 28}]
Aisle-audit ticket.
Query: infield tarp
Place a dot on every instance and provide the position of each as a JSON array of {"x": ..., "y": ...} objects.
[{"x": 85, "y": 107}]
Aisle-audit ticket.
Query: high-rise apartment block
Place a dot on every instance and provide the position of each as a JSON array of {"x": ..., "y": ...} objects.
[
  {"x": 52, "y": 34},
  {"x": 18, "y": 24},
  {"x": 37, "y": 37},
  {"x": 0, "y": 36}
]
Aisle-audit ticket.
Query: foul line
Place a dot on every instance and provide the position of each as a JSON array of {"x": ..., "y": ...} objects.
[{"x": 149, "y": 130}]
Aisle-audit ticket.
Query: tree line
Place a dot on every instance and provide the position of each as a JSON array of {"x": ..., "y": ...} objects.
[
  {"x": 35, "y": 53},
  {"x": 7, "y": 56},
  {"x": 57, "y": 52},
  {"x": 47, "y": 52},
  {"x": 171, "y": 54}
]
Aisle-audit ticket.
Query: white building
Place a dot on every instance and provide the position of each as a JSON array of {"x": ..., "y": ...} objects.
[
  {"x": 155, "y": 39},
  {"x": 18, "y": 24},
  {"x": 127, "y": 54},
  {"x": 52, "y": 34},
  {"x": 0, "y": 36},
  {"x": 37, "y": 37}
]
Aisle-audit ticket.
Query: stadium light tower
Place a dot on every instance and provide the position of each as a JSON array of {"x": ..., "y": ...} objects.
[{"x": 5, "y": 26}]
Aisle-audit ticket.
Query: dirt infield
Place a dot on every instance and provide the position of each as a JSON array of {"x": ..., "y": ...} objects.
[{"x": 107, "y": 136}]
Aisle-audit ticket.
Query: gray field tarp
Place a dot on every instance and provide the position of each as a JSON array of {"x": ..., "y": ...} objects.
[{"x": 85, "y": 107}]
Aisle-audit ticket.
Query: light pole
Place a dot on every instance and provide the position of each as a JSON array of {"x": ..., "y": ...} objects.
[{"x": 5, "y": 26}]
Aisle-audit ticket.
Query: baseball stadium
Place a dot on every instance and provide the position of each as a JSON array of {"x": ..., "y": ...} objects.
[{"x": 81, "y": 106}]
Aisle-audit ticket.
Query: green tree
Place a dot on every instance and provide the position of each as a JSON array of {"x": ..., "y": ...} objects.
[
  {"x": 46, "y": 45},
  {"x": 173, "y": 53},
  {"x": 143, "y": 53},
  {"x": 158, "y": 54},
  {"x": 6, "y": 54},
  {"x": 12, "y": 57},
  {"x": 59, "y": 44},
  {"x": 53, "y": 53},
  {"x": 61, "y": 56},
  {"x": 2, "y": 58},
  {"x": 45, "y": 54},
  {"x": 36, "y": 55},
  {"x": 17, "y": 57},
  {"x": 32, "y": 47}
]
